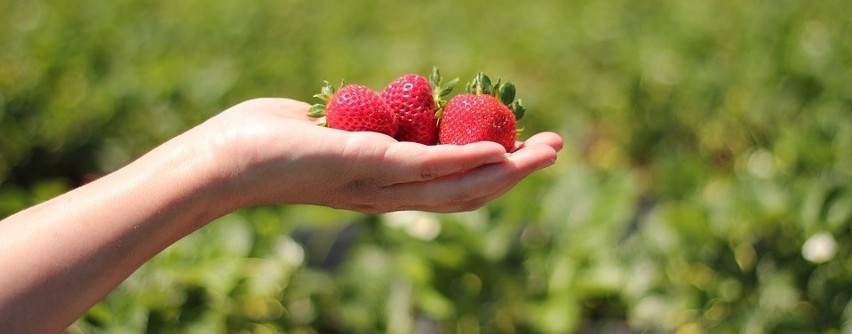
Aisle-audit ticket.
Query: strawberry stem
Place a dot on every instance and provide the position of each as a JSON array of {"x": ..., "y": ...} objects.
[
  {"x": 481, "y": 85},
  {"x": 439, "y": 91},
  {"x": 326, "y": 92},
  {"x": 503, "y": 91}
]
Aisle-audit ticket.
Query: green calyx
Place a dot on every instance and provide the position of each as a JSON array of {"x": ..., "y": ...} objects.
[
  {"x": 318, "y": 110},
  {"x": 325, "y": 95},
  {"x": 440, "y": 90},
  {"x": 503, "y": 91}
]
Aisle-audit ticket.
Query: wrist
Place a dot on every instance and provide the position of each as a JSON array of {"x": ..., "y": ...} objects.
[
  {"x": 186, "y": 178},
  {"x": 215, "y": 172}
]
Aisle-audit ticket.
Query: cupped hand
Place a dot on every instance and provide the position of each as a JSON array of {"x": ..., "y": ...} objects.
[{"x": 267, "y": 151}]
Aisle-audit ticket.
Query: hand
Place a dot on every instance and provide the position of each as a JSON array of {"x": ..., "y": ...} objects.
[
  {"x": 272, "y": 153},
  {"x": 263, "y": 151}
]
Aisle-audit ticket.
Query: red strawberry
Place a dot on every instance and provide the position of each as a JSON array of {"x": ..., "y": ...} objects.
[
  {"x": 354, "y": 108},
  {"x": 415, "y": 100},
  {"x": 486, "y": 112}
]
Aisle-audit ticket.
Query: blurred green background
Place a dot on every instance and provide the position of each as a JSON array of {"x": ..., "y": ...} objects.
[{"x": 705, "y": 186}]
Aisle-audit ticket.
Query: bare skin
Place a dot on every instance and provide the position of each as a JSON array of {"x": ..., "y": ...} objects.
[{"x": 62, "y": 256}]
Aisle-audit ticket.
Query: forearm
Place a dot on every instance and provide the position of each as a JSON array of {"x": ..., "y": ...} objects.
[
  {"x": 62, "y": 256},
  {"x": 59, "y": 258}
]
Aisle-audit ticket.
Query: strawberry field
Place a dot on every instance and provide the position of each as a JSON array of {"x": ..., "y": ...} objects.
[{"x": 705, "y": 184}]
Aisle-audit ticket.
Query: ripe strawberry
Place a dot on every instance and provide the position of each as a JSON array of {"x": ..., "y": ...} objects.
[
  {"x": 354, "y": 108},
  {"x": 485, "y": 112},
  {"x": 415, "y": 100}
]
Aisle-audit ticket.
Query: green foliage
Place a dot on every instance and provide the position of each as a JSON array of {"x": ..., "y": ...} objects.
[{"x": 706, "y": 182}]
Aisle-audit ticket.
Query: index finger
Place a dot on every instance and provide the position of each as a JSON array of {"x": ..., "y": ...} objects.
[{"x": 412, "y": 162}]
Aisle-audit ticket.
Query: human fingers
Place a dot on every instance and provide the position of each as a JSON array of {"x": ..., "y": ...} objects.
[
  {"x": 472, "y": 189},
  {"x": 545, "y": 138},
  {"x": 412, "y": 162}
]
